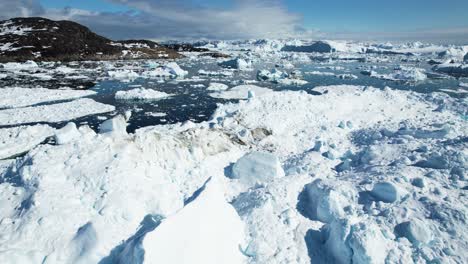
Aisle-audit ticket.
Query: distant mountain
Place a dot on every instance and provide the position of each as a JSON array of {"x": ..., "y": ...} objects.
[{"x": 41, "y": 39}]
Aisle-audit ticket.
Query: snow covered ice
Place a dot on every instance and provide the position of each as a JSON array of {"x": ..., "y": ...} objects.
[{"x": 304, "y": 174}]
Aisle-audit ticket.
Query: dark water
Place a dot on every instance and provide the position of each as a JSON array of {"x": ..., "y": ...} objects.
[{"x": 194, "y": 103}]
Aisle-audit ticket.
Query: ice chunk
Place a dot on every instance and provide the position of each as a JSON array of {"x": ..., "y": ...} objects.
[
  {"x": 170, "y": 70},
  {"x": 238, "y": 63},
  {"x": 434, "y": 161},
  {"x": 273, "y": 75},
  {"x": 175, "y": 69},
  {"x": 217, "y": 87},
  {"x": 207, "y": 230},
  {"x": 386, "y": 192},
  {"x": 362, "y": 242},
  {"x": 116, "y": 125},
  {"x": 277, "y": 76},
  {"x": 416, "y": 231},
  {"x": 454, "y": 69},
  {"x": 123, "y": 75},
  {"x": 141, "y": 94},
  {"x": 326, "y": 201},
  {"x": 257, "y": 168},
  {"x": 18, "y": 140},
  {"x": 66, "y": 134},
  {"x": 241, "y": 92}
]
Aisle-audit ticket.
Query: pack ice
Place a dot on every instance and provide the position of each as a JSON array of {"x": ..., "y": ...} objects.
[{"x": 350, "y": 175}]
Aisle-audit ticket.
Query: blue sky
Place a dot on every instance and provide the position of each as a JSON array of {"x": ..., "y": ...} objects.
[
  {"x": 337, "y": 15},
  {"x": 431, "y": 20}
]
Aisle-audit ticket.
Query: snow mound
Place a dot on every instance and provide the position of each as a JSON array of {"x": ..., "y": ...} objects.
[
  {"x": 386, "y": 192},
  {"x": 326, "y": 202},
  {"x": 66, "y": 134},
  {"x": 141, "y": 94},
  {"x": 257, "y": 168},
  {"x": 207, "y": 230},
  {"x": 18, "y": 140}
]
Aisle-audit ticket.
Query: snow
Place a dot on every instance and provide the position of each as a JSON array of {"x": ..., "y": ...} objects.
[
  {"x": 16, "y": 66},
  {"x": 241, "y": 92},
  {"x": 238, "y": 63},
  {"x": 67, "y": 134},
  {"x": 141, "y": 94},
  {"x": 257, "y": 168},
  {"x": 53, "y": 113},
  {"x": 215, "y": 73},
  {"x": 170, "y": 70},
  {"x": 207, "y": 230},
  {"x": 115, "y": 126},
  {"x": 350, "y": 174},
  {"x": 454, "y": 69},
  {"x": 280, "y": 77},
  {"x": 408, "y": 74},
  {"x": 17, "y": 140},
  {"x": 416, "y": 231},
  {"x": 386, "y": 192},
  {"x": 217, "y": 87},
  {"x": 13, "y": 97},
  {"x": 123, "y": 75}
]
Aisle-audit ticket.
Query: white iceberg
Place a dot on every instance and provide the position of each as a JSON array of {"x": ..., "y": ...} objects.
[{"x": 141, "y": 94}]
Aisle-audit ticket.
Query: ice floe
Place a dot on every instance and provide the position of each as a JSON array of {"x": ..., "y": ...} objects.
[
  {"x": 53, "y": 113},
  {"x": 241, "y": 92},
  {"x": 13, "y": 97},
  {"x": 19, "y": 140},
  {"x": 141, "y": 94}
]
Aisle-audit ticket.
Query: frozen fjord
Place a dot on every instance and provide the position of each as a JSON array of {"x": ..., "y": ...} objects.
[{"x": 348, "y": 174}]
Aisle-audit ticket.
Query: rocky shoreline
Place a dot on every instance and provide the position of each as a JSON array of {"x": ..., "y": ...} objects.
[{"x": 41, "y": 39}]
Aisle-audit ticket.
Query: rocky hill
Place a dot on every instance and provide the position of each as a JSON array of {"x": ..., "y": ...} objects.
[{"x": 36, "y": 38}]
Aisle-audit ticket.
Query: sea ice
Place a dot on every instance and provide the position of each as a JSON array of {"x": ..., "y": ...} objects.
[
  {"x": 53, "y": 113},
  {"x": 241, "y": 92},
  {"x": 207, "y": 230},
  {"x": 217, "y": 87},
  {"x": 238, "y": 63},
  {"x": 19, "y": 140},
  {"x": 66, "y": 134},
  {"x": 13, "y": 97},
  {"x": 257, "y": 168},
  {"x": 141, "y": 94}
]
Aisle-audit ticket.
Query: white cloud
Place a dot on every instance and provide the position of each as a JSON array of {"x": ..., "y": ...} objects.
[
  {"x": 182, "y": 19},
  {"x": 19, "y": 8}
]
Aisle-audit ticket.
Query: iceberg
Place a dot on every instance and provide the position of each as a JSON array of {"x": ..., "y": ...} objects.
[{"x": 141, "y": 94}]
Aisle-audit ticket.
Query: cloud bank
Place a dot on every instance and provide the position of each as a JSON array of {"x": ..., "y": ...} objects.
[
  {"x": 184, "y": 20},
  {"x": 177, "y": 19}
]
